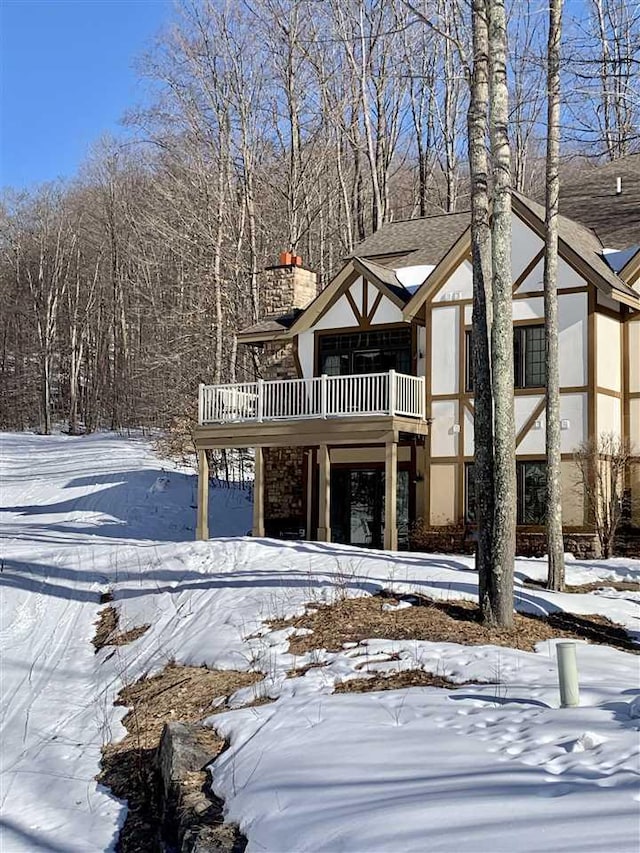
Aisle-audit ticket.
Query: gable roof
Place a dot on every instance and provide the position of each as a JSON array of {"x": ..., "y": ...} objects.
[
  {"x": 383, "y": 278},
  {"x": 590, "y": 197},
  {"x": 283, "y": 327},
  {"x": 577, "y": 244},
  {"x": 576, "y": 239},
  {"x": 426, "y": 240}
]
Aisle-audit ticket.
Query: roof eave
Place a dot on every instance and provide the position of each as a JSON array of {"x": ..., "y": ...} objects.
[
  {"x": 625, "y": 299},
  {"x": 262, "y": 337}
]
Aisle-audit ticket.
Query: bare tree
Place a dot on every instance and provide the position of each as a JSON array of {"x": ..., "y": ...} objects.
[
  {"x": 555, "y": 542},
  {"x": 602, "y": 465},
  {"x": 603, "y": 58},
  {"x": 526, "y": 102},
  {"x": 504, "y": 528},
  {"x": 481, "y": 260},
  {"x": 41, "y": 251}
]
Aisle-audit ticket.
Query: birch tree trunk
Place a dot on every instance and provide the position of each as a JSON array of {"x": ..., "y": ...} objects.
[
  {"x": 481, "y": 259},
  {"x": 555, "y": 544},
  {"x": 500, "y": 599}
]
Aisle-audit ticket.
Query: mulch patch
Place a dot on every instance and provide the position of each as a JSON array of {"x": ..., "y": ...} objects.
[
  {"x": 178, "y": 693},
  {"x": 353, "y": 620},
  {"x": 108, "y": 633}
]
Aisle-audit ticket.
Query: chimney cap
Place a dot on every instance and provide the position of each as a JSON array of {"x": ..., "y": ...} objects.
[{"x": 288, "y": 259}]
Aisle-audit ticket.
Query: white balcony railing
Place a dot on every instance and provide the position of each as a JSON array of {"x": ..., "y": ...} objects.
[{"x": 321, "y": 397}]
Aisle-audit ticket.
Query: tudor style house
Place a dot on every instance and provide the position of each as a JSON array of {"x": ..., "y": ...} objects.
[{"x": 362, "y": 424}]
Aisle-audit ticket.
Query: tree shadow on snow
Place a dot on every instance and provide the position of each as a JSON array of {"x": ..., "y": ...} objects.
[
  {"x": 42, "y": 579},
  {"x": 139, "y": 505},
  {"x": 26, "y": 839}
]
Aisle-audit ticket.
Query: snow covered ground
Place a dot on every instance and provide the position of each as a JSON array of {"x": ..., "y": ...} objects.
[{"x": 488, "y": 768}]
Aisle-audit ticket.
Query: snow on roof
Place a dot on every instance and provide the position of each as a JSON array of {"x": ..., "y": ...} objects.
[{"x": 413, "y": 276}]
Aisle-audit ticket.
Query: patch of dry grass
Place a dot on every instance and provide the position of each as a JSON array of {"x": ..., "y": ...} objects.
[
  {"x": 396, "y": 681},
  {"x": 108, "y": 633},
  {"x": 620, "y": 586},
  {"x": 353, "y": 620}
]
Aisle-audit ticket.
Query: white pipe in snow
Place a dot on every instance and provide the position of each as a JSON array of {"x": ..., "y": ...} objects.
[{"x": 568, "y": 675}]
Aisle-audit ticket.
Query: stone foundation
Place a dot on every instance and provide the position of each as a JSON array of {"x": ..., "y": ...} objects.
[
  {"x": 628, "y": 543},
  {"x": 457, "y": 540},
  {"x": 284, "y": 482}
]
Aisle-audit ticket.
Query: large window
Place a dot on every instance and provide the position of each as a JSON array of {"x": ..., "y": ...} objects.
[
  {"x": 365, "y": 352},
  {"x": 531, "y": 482},
  {"x": 529, "y": 360}
]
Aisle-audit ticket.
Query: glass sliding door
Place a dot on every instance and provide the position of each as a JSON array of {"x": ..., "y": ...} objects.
[{"x": 357, "y": 507}]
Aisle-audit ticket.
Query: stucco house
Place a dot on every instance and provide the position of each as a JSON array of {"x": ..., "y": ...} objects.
[{"x": 363, "y": 422}]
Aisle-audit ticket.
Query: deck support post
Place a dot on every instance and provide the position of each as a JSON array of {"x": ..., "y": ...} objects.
[
  {"x": 258, "y": 493},
  {"x": 324, "y": 520},
  {"x": 390, "y": 495},
  {"x": 309, "y": 498},
  {"x": 202, "y": 524}
]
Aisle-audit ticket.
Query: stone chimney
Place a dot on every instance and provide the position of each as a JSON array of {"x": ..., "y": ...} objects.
[{"x": 286, "y": 286}]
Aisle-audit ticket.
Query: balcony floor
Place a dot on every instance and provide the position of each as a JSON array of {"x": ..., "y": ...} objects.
[{"x": 356, "y": 429}]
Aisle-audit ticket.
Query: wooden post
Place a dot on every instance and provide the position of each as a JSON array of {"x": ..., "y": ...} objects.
[
  {"x": 202, "y": 525},
  {"x": 323, "y": 396},
  {"x": 392, "y": 392},
  {"x": 324, "y": 520},
  {"x": 258, "y": 493},
  {"x": 201, "y": 403},
  {"x": 390, "y": 496},
  {"x": 310, "y": 472}
]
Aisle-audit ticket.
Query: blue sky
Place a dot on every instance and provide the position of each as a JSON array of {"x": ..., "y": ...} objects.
[{"x": 67, "y": 77}]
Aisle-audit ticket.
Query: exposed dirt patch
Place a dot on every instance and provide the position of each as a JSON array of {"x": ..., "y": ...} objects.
[
  {"x": 396, "y": 681},
  {"x": 108, "y": 630},
  {"x": 353, "y": 620},
  {"x": 128, "y": 768},
  {"x": 620, "y": 586}
]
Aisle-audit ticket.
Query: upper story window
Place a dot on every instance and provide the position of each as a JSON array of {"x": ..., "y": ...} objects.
[
  {"x": 375, "y": 351},
  {"x": 529, "y": 359}
]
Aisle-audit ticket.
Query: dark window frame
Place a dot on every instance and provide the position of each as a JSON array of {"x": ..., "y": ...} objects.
[
  {"x": 529, "y": 357},
  {"x": 468, "y": 361},
  {"x": 394, "y": 346}
]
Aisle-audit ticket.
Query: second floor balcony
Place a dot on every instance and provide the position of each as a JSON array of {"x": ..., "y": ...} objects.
[{"x": 323, "y": 397}]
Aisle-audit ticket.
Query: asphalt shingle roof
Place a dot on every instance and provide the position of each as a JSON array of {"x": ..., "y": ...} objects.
[
  {"x": 433, "y": 236},
  {"x": 590, "y": 197},
  {"x": 273, "y": 324}
]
